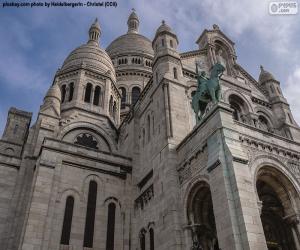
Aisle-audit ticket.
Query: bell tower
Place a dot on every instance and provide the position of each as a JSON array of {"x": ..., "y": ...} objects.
[{"x": 166, "y": 63}]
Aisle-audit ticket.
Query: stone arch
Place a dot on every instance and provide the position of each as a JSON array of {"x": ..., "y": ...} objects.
[
  {"x": 200, "y": 216},
  {"x": 92, "y": 127},
  {"x": 279, "y": 198},
  {"x": 272, "y": 162},
  {"x": 224, "y": 43},
  {"x": 230, "y": 92},
  {"x": 67, "y": 192},
  {"x": 135, "y": 94},
  {"x": 240, "y": 106},
  {"x": 100, "y": 184},
  {"x": 60, "y": 206},
  {"x": 267, "y": 116},
  {"x": 114, "y": 200}
]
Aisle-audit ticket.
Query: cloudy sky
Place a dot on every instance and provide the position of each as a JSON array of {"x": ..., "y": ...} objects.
[{"x": 35, "y": 41}]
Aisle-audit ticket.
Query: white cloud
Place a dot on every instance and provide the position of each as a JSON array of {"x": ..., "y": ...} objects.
[{"x": 292, "y": 92}]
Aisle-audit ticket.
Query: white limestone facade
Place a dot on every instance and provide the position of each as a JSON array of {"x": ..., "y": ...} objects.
[{"x": 116, "y": 161}]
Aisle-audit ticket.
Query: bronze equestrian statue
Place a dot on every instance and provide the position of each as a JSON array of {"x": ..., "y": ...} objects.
[{"x": 208, "y": 90}]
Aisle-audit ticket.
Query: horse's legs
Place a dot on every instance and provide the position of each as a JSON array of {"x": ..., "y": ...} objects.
[
  {"x": 218, "y": 94},
  {"x": 212, "y": 94}
]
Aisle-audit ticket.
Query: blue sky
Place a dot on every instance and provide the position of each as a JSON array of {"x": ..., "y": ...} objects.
[{"x": 34, "y": 42}]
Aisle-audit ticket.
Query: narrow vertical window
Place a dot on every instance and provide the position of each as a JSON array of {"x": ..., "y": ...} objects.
[
  {"x": 97, "y": 96},
  {"x": 114, "y": 110},
  {"x": 171, "y": 43},
  {"x": 16, "y": 129},
  {"x": 88, "y": 92},
  {"x": 151, "y": 234},
  {"x": 63, "y": 93},
  {"x": 110, "y": 107},
  {"x": 123, "y": 97},
  {"x": 162, "y": 42},
  {"x": 142, "y": 240},
  {"x": 90, "y": 215},
  {"x": 71, "y": 86},
  {"x": 110, "y": 235},
  {"x": 175, "y": 73},
  {"x": 135, "y": 94},
  {"x": 67, "y": 223}
]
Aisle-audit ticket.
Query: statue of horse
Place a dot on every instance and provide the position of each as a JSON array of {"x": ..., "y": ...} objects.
[{"x": 208, "y": 90}]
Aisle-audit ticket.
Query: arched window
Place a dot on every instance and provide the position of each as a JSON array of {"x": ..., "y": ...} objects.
[
  {"x": 135, "y": 94},
  {"x": 16, "y": 129},
  {"x": 263, "y": 123},
  {"x": 171, "y": 43},
  {"x": 110, "y": 107},
  {"x": 71, "y": 93},
  {"x": 63, "y": 93},
  {"x": 162, "y": 42},
  {"x": 88, "y": 92},
  {"x": 114, "y": 110},
  {"x": 240, "y": 109},
  {"x": 279, "y": 92},
  {"x": 90, "y": 215},
  {"x": 175, "y": 73},
  {"x": 236, "y": 111},
  {"x": 272, "y": 89},
  {"x": 142, "y": 240},
  {"x": 110, "y": 234},
  {"x": 97, "y": 96},
  {"x": 151, "y": 234},
  {"x": 67, "y": 223},
  {"x": 123, "y": 97}
]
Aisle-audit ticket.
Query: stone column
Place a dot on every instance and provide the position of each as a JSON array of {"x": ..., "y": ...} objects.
[
  {"x": 188, "y": 237},
  {"x": 234, "y": 200},
  {"x": 294, "y": 222}
]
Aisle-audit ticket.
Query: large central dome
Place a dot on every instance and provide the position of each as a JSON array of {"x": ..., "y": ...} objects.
[{"x": 132, "y": 42}]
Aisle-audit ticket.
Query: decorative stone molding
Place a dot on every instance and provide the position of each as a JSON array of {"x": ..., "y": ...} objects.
[
  {"x": 240, "y": 160},
  {"x": 187, "y": 167},
  {"x": 144, "y": 198},
  {"x": 213, "y": 166},
  {"x": 269, "y": 148},
  {"x": 261, "y": 102}
]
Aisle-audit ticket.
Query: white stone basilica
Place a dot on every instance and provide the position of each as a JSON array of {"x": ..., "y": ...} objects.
[{"x": 115, "y": 160}]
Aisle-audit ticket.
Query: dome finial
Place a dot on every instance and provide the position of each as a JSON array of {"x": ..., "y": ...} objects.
[
  {"x": 94, "y": 33},
  {"x": 133, "y": 22}
]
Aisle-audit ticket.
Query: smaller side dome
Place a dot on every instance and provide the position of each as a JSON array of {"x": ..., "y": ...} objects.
[
  {"x": 265, "y": 76},
  {"x": 163, "y": 28},
  {"x": 53, "y": 92}
]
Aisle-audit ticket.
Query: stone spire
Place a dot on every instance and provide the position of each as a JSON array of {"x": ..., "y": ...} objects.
[
  {"x": 133, "y": 23},
  {"x": 265, "y": 75},
  {"x": 94, "y": 33}
]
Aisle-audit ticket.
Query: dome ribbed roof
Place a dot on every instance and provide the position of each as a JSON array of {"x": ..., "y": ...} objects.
[
  {"x": 164, "y": 28},
  {"x": 265, "y": 76},
  {"x": 89, "y": 56},
  {"x": 130, "y": 43},
  {"x": 53, "y": 92}
]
